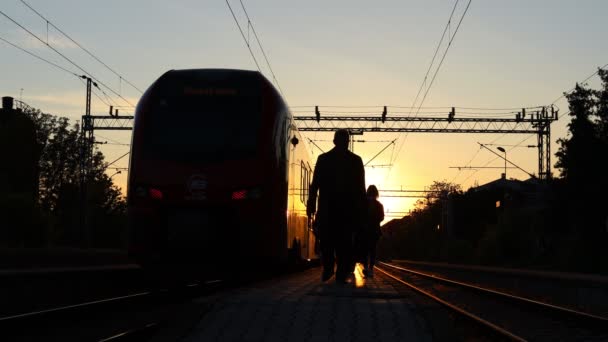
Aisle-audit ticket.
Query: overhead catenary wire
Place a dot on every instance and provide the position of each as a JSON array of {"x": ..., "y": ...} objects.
[
  {"x": 496, "y": 158},
  {"x": 65, "y": 57},
  {"x": 244, "y": 38},
  {"x": 56, "y": 66},
  {"x": 583, "y": 81},
  {"x": 396, "y": 155},
  {"x": 113, "y": 140},
  {"x": 435, "y": 54},
  {"x": 444, "y": 54},
  {"x": 40, "y": 58},
  {"x": 559, "y": 117},
  {"x": 568, "y": 92},
  {"x": 81, "y": 47},
  {"x": 117, "y": 159},
  {"x": 467, "y": 164},
  {"x": 261, "y": 48},
  {"x": 402, "y": 142},
  {"x": 382, "y": 150}
]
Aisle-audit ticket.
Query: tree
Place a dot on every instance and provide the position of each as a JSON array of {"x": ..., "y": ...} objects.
[
  {"x": 574, "y": 158},
  {"x": 417, "y": 236},
  {"x": 581, "y": 157},
  {"x": 59, "y": 185}
]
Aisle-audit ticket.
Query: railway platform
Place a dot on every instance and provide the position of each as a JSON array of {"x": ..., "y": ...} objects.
[{"x": 300, "y": 307}]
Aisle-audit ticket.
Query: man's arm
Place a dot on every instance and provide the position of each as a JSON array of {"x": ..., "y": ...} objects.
[
  {"x": 360, "y": 193},
  {"x": 361, "y": 177},
  {"x": 311, "y": 205}
]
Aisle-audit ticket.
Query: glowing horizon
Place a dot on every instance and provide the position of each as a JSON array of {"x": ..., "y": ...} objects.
[{"x": 506, "y": 55}]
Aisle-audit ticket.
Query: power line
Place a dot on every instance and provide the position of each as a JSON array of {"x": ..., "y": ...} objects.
[
  {"x": 117, "y": 159},
  {"x": 336, "y": 106},
  {"x": 64, "y": 57},
  {"x": 559, "y": 117},
  {"x": 467, "y": 164},
  {"x": 583, "y": 81},
  {"x": 444, "y": 54},
  {"x": 507, "y": 145},
  {"x": 435, "y": 54},
  {"x": 40, "y": 58},
  {"x": 382, "y": 150},
  {"x": 56, "y": 66},
  {"x": 243, "y": 35},
  {"x": 438, "y": 67},
  {"x": 506, "y": 160},
  {"x": 113, "y": 140},
  {"x": 496, "y": 158},
  {"x": 517, "y": 145},
  {"x": 261, "y": 48},
  {"x": 402, "y": 142},
  {"x": 80, "y": 46}
]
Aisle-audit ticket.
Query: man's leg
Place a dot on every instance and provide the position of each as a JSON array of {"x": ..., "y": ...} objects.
[
  {"x": 344, "y": 251},
  {"x": 327, "y": 255}
]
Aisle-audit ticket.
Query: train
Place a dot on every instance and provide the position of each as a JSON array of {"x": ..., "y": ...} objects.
[{"x": 218, "y": 175}]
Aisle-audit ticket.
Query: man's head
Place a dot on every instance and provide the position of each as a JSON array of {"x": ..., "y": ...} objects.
[{"x": 341, "y": 138}]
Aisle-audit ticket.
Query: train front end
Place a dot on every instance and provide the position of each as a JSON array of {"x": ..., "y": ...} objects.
[{"x": 205, "y": 180}]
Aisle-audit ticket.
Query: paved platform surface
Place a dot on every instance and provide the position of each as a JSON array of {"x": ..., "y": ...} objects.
[{"x": 302, "y": 308}]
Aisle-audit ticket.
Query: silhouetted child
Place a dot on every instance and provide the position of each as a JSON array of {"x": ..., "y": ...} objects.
[{"x": 371, "y": 232}]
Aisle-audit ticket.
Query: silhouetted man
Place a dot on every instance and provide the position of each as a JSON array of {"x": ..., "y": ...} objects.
[{"x": 339, "y": 178}]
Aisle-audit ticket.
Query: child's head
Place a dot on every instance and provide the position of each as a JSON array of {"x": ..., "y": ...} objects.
[{"x": 372, "y": 191}]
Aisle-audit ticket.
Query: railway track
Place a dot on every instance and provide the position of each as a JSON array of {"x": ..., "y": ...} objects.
[
  {"x": 138, "y": 315},
  {"x": 508, "y": 316},
  {"x": 580, "y": 292},
  {"x": 112, "y": 319}
]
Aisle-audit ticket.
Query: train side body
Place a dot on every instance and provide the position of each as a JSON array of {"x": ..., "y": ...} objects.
[{"x": 211, "y": 168}]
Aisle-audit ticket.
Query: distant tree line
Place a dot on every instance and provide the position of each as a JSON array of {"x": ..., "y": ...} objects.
[
  {"x": 560, "y": 225},
  {"x": 53, "y": 217}
]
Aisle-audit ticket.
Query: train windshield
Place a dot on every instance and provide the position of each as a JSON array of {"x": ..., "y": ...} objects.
[{"x": 194, "y": 121}]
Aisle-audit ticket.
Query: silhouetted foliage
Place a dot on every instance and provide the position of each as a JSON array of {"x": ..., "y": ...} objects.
[
  {"x": 420, "y": 235},
  {"x": 561, "y": 224},
  {"x": 60, "y": 199},
  {"x": 582, "y": 158}
]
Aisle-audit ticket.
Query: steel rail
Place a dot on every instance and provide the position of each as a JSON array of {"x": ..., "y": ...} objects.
[
  {"x": 95, "y": 303},
  {"x": 495, "y": 328},
  {"x": 132, "y": 333},
  {"x": 560, "y": 309},
  {"x": 74, "y": 306}
]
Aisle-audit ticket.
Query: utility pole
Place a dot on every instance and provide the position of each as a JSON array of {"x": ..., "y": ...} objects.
[{"x": 86, "y": 150}]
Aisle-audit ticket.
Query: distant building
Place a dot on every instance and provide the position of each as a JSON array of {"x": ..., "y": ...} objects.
[
  {"x": 528, "y": 194},
  {"x": 470, "y": 214},
  {"x": 19, "y": 152}
]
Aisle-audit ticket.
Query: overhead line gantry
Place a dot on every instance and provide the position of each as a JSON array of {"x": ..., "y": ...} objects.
[{"x": 535, "y": 122}]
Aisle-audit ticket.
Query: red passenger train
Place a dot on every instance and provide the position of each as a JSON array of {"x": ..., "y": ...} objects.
[{"x": 218, "y": 174}]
